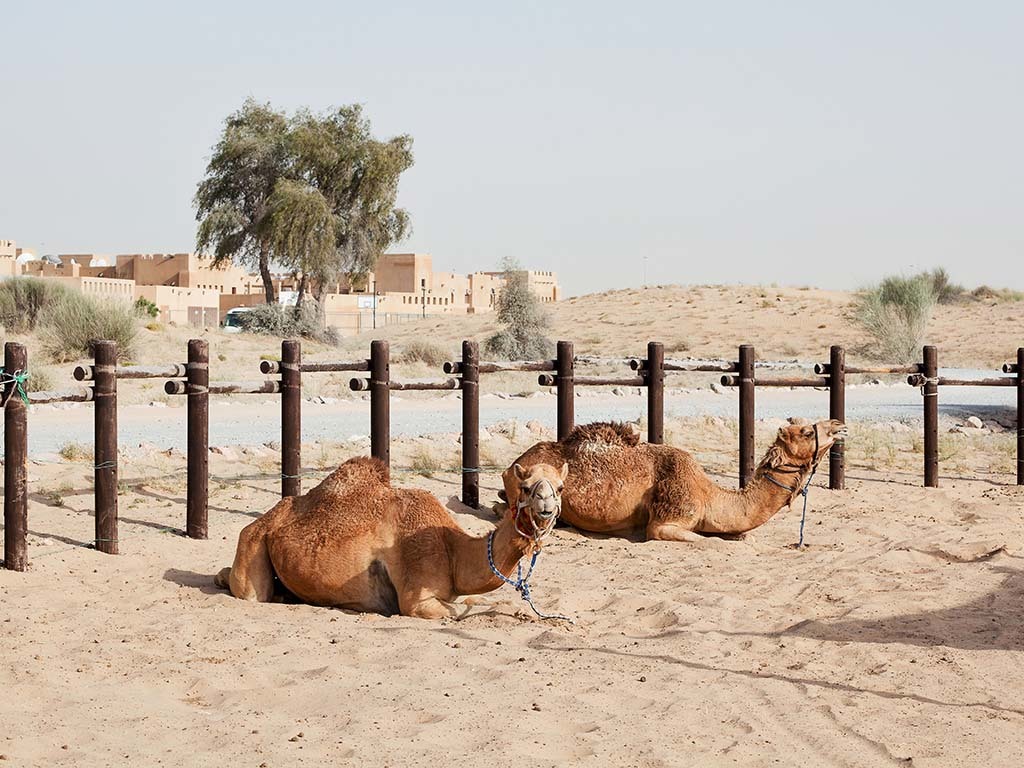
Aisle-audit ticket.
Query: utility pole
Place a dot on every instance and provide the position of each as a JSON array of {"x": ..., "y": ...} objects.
[{"x": 375, "y": 304}]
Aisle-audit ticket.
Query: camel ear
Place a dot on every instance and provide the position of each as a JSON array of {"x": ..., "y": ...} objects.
[
  {"x": 774, "y": 456},
  {"x": 798, "y": 421},
  {"x": 564, "y": 473},
  {"x": 521, "y": 474}
]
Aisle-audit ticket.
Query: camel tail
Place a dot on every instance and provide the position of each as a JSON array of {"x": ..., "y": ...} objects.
[{"x": 221, "y": 579}]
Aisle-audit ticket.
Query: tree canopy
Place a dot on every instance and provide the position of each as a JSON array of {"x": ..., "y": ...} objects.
[{"x": 313, "y": 193}]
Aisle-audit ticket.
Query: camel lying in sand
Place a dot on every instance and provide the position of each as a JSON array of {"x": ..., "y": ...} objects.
[
  {"x": 355, "y": 542},
  {"x": 617, "y": 485}
]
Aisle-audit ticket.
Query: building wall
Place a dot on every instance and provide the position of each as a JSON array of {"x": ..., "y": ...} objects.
[
  {"x": 100, "y": 287},
  {"x": 185, "y": 270},
  {"x": 9, "y": 266},
  {"x": 198, "y": 307},
  {"x": 403, "y": 272}
]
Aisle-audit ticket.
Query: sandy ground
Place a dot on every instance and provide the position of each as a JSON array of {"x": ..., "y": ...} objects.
[{"x": 892, "y": 639}]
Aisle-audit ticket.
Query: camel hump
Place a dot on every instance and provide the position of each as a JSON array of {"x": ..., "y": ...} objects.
[
  {"x": 358, "y": 472},
  {"x": 612, "y": 433}
]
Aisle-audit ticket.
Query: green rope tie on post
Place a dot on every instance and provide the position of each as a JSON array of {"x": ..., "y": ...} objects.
[{"x": 18, "y": 378}]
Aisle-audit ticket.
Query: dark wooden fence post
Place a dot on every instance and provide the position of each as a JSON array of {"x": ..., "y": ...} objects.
[
  {"x": 564, "y": 371},
  {"x": 291, "y": 418},
  {"x": 1020, "y": 416},
  {"x": 380, "y": 401},
  {"x": 15, "y": 460},
  {"x": 837, "y": 411},
  {"x": 931, "y": 417},
  {"x": 197, "y": 371},
  {"x": 654, "y": 374},
  {"x": 105, "y": 454},
  {"x": 746, "y": 387},
  {"x": 470, "y": 424}
]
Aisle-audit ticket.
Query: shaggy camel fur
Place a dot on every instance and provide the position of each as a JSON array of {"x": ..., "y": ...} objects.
[
  {"x": 355, "y": 542},
  {"x": 617, "y": 485}
]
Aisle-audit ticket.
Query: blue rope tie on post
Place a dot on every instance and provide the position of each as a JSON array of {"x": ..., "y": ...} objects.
[{"x": 521, "y": 583}]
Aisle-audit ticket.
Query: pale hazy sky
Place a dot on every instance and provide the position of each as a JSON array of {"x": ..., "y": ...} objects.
[{"x": 819, "y": 143}]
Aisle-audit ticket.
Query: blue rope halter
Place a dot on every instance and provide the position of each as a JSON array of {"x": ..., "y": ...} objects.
[
  {"x": 521, "y": 583},
  {"x": 797, "y": 489}
]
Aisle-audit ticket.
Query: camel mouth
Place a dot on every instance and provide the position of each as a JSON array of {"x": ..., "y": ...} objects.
[{"x": 840, "y": 433}]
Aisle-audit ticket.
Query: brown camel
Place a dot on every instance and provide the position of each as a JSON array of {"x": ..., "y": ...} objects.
[
  {"x": 355, "y": 542},
  {"x": 617, "y": 485}
]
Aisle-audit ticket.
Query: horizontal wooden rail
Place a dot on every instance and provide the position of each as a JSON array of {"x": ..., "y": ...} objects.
[
  {"x": 363, "y": 385},
  {"x": 169, "y": 371},
  {"x": 274, "y": 366},
  {"x": 825, "y": 368},
  {"x": 272, "y": 387},
  {"x": 550, "y": 380},
  {"x": 734, "y": 381},
  {"x": 641, "y": 365},
  {"x": 919, "y": 380},
  {"x": 455, "y": 367},
  {"x": 76, "y": 395}
]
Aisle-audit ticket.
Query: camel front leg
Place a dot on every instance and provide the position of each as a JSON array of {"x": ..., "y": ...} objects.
[
  {"x": 661, "y": 531},
  {"x": 436, "y": 608}
]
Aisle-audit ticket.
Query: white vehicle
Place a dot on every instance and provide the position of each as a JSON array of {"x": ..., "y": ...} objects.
[{"x": 232, "y": 320}]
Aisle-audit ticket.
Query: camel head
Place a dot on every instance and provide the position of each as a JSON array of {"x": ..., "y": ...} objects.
[
  {"x": 798, "y": 448},
  {"x": 540, "y": 499}
]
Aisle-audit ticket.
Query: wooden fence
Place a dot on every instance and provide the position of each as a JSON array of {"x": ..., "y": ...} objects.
[{"x": 192, "y": 379}]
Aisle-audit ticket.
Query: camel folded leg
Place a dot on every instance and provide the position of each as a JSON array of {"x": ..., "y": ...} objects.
[
  {"x": 251, "y": 576},
  {"x": 436, "y": 608},
  {"x": 662, "y": 531}
]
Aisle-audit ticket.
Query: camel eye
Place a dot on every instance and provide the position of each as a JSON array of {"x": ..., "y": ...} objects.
[
  {"x": 808, "y": 431},
  {"x": 524, "y": 488}
]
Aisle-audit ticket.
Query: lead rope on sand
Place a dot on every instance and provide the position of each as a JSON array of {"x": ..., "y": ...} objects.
[{"x": 521, "y": 583}]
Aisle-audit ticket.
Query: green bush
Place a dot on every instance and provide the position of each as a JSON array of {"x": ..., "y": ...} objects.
[
  {"x": 24, "y": 299},
  {"x": 523, "y": 318},
  {"x": 70, "y": 325},
  {"x": 282, "y": 321},
  {"x": 945, "y": 291},
  {"x": 895, "y": 314},
  {"x": 146, "y": 308},
  {"x": 422, "y": 351}
]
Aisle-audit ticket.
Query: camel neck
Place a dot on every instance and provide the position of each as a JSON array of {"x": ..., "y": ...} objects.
[
  {"x": 472, "y": 571},
  {"x": 746, "y": 509}
]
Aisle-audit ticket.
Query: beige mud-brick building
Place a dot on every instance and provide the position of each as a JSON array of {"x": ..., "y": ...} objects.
[
  {"x": 9, "y": 266},
  {"x": 198, "y": 307},
  {"x": 186, "y": 270}
]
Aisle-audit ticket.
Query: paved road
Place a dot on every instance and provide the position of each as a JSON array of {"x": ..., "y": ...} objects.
[{"x": 255, "y": 420}]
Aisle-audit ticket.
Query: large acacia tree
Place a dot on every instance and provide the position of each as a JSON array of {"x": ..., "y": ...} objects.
[
  {"x": 331, "y": 210},
  {"x": 232, "y": 200}
]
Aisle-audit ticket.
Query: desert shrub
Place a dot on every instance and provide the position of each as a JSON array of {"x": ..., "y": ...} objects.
[
  {"x": 75, "y": 452},
  {"x": 24, "y": 299},
  {"x": 282, "y": 321},
  {"x": 422, "y": 351},
  {"x": 895, "y": 314},
  {"x": 523, "y": 317},
  {"x": 146, "y": 308},
  {"x": 983, "y": 292},
  {"x": 39, "y": 380},
  {"x": 946, "y": 292},
  {"x": 71, "y": 324}
]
